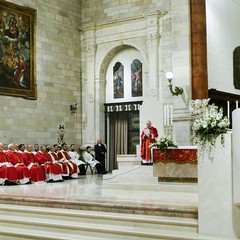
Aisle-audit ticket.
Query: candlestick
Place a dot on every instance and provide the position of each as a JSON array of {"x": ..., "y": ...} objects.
[{"x": 228, "y": 109}]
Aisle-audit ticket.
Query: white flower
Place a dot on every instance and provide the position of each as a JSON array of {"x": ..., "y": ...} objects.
[
  {"x": 204, "y": 124},
  {"x": 197, "y": 106},
  {"x": 205, "y": 102},
  {"x": 213, "y": 124},
  {"x": 219, "y": 116}
]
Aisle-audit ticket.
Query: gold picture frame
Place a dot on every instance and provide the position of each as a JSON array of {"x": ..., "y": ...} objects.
[{"x": 18, "y": 50}]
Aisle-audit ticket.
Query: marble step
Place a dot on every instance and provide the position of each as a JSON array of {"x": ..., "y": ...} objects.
[
  {"x": 164, "y": 187},
  {"x": 25, "y": 233},
  {"x": 7, "y": 233},
  {"x": 22, "y": 222},
  {"x": 134, "y": 169},
  {"x": 59, "y": 232},
  {"x": 131, "y": 179},
  {"x": 40, "y": 223},
  {"x": 183, "y": 209},
  {"x": 83, "y": 217}
]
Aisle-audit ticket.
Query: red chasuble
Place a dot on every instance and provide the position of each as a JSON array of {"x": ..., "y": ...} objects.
[
  {"x": 7, "y": 172},
  {"x": 36, "y": 172},
  {"x": 46, "y": 161},
  {"x": 73, "y": 168},
  {"x": 15, "y": 158},
  {"x": 148, "y": 136}
]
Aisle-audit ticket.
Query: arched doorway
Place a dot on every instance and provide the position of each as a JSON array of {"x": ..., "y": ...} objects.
[{"x": 124, "y": 91}]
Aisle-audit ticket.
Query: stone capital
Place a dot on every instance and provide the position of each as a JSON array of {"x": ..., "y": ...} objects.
[
  {"x": 90, "y": 52},
  {"x": 152, "y": 39}
]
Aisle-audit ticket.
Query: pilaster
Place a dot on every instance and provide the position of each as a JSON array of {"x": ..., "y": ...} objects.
[
  {"x": 90, "y": 52},
  {"x": 152, "y": 40}
]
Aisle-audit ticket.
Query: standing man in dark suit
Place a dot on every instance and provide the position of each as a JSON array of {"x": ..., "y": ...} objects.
[{"x": 100, "y": 151}]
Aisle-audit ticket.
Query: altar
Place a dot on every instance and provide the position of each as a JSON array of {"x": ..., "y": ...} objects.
[{"x": 175, "y": 164}]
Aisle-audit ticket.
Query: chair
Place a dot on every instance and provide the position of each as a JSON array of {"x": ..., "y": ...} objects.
[
  {"x": 92, "y": 169},
  {"x": 88, "y": 165}
]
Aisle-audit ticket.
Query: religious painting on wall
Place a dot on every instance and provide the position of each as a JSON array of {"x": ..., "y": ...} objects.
[
  {"x": 236, "y": 67},
  {"x": 17, "y": 50},
  {"x": 136, "y": 77},
  {"x": 118, "y": 80}
]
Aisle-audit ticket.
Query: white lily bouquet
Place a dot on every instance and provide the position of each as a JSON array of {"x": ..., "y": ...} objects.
[{"x": 210, "y": 125}]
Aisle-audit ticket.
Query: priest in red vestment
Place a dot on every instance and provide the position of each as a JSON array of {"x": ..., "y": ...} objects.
[
  {"x": 36, "y": 171},
  {"x": 17, "y": 161},
  {"x": 64, "y": 157},
  {"x": 52, "y": 169},
  {"x": 148, "y": 136},
  {"x": 61, "y": 162},
  {"x": 8, "y": 173}
]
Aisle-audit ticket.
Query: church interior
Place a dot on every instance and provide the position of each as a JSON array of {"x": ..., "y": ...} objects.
[{"x": 76, "y": 71}]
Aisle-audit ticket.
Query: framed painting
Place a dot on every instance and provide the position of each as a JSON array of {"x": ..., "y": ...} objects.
[
  {"x": 136, "y": 77},
  {"x": 17, "y": 50},
  {"x": 118, "y": 80}
]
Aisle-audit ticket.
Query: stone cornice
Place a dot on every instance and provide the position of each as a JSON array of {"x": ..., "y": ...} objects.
[{"x": 94, "y": 26}]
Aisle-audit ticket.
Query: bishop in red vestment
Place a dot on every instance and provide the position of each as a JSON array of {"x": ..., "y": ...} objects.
[{"x": 148, "y": 136}]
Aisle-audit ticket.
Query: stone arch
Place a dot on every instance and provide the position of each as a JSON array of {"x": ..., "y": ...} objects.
[
  {"x": 109, "y": 53},
  {"x": 103, "y": 58}
]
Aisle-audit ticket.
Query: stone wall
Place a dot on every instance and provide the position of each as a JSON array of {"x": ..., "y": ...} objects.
[
  {"x": 102, "y": 10},
  {"x": 58, "y": 79}
]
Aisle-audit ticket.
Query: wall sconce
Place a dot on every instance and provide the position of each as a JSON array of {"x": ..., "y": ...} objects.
[
  {"x": 177, "y": 90},
  {"x": 73, "y": 108}
]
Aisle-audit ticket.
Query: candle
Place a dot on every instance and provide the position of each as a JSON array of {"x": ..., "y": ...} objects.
[
  {"x": 165, "y": 116},
  {"x": 236, "y": 104},
  {"x": 171, "y": 115},
  {"x": 228, "y": 109}
]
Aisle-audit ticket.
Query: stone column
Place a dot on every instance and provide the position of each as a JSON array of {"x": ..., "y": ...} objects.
[
  {"x": 199, "y": 49},
  {"x": 90, "y": 50},
  {"x": 100, "y": 94},
  {"x": 152, "y": 36}
]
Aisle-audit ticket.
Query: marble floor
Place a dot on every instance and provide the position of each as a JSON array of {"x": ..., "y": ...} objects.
[{"x": 130, "y": 187}]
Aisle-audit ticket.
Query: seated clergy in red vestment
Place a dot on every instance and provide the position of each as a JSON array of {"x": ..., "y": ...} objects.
[
  {"x": 58, "y": 174},
  {"x": 36, "y": 171},
  {"x": 65, "y": 158},
  {"x": 148, "y": 136},
  {"x": 17, "y": 161},
  {"x": 8, "y": 173},
  {"x": 61, "y": 162},
  {"x": 53, "y": 171}
]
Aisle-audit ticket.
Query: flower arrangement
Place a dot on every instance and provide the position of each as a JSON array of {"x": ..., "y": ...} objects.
[
  {"x": 210, "y": 125},
  {"x": 164, "y": 143},
  {"x": 197, "y": 106}
]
